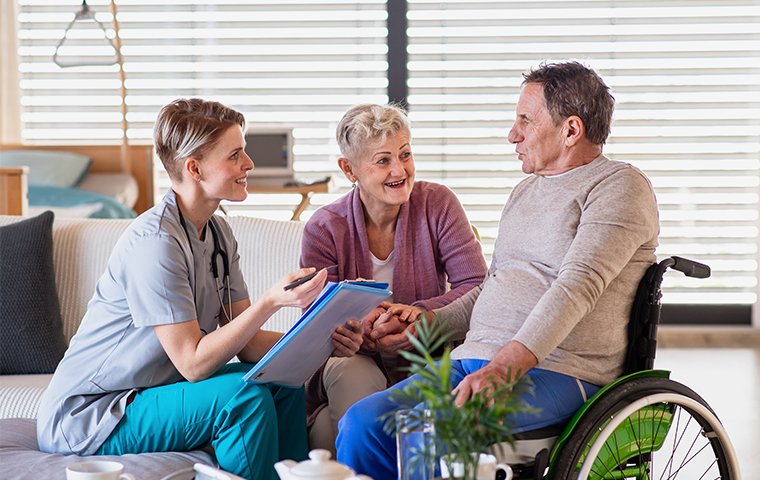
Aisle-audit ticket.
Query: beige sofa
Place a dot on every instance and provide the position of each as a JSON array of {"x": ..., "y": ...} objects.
[{"x": 268, "y": 250}]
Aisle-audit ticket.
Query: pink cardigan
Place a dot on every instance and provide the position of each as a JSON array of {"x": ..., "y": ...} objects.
[{"x": 434, "y": 245}]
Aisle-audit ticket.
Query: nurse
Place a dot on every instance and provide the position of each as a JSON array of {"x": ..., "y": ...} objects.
[{"x": 148, "y": 369}]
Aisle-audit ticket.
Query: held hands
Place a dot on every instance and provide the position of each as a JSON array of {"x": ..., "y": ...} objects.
[
  {"x": 405, "y": 313},
  {"x": 387, "y": 326}
]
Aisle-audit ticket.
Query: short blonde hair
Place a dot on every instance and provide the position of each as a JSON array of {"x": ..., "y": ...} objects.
[
  {"x": 190, "y": 128},
  {"x": 366, "y": 125}
]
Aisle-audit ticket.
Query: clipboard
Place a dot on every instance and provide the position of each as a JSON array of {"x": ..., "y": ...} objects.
[{"x": 306, "y": 346}]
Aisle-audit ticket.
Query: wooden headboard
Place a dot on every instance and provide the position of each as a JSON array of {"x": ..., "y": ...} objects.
[
  {"x": 13, "y": 193},
  {"x": 106, "y": 158}
]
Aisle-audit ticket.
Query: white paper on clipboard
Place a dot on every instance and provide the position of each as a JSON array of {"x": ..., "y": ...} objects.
[{"x": 301, "y": 351}]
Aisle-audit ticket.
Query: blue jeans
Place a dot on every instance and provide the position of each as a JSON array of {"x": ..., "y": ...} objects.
[
  {"x": 250, "y": 426},
  {"x": 363, "y": 446}
]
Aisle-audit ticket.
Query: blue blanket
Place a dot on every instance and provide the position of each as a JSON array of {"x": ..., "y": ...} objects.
[{"x": 91, "y": 204}]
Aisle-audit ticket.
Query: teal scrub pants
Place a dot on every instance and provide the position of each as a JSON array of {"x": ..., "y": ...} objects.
[{"x": 249, "y": 426}]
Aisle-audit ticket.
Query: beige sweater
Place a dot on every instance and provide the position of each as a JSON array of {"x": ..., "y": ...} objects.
[{"x": 570, "y": 252}]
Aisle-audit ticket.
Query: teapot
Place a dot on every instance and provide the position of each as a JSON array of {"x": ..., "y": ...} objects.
[{"x": 318, "y": 467}]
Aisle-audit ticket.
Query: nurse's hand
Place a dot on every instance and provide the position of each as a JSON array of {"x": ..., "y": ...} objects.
[{"x": 300, "y": 296}]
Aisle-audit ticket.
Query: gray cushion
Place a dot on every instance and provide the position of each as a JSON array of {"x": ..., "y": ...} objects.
[
  {"x": 31, "y": 330},
  {"x": 20, "y": 458}
]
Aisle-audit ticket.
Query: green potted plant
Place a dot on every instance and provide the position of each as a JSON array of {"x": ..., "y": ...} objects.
[{"x": 461, "y": 433}]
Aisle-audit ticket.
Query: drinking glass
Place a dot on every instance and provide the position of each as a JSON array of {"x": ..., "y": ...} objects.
[{"x": 415, "y": 444}]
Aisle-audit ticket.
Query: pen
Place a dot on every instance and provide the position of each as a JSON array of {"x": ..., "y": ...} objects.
[{"x": 308, "y": 277}]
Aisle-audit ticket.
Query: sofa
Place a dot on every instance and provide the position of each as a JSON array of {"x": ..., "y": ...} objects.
[{"x": 81, "y": 247}]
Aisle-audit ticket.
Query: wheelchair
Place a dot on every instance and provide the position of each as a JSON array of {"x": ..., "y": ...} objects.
[{"x": 642, "y": 426}]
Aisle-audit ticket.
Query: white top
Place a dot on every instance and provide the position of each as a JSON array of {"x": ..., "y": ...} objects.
[
  {"x": 382, "y": 270},
  {"x": 158, "y": 273}
]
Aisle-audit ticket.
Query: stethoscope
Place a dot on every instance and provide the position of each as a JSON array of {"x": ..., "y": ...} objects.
[{"x": 216, "y": 252}]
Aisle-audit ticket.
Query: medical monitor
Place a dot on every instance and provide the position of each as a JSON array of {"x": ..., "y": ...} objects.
[{"x": 271, "y": 150}]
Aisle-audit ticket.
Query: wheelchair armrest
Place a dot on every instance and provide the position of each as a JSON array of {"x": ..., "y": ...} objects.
[{"x": 690, "y": 268}]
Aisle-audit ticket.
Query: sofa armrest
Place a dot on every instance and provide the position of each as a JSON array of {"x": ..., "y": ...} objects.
[{"x": 20, "y": 395}]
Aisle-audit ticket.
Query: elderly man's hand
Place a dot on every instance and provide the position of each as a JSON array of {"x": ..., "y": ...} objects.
[
  {"x": 386, "y": 324},
  {"x": 484, "y": 380},
  {"x": 388, "y": 330},
  {"x": 394, "y": 342},
  {"x": 511, "y": 363},
  {"x": 368, "y": 323}
]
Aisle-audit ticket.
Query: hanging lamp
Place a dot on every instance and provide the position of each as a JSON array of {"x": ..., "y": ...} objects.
[{"x": 86, "y": 14}]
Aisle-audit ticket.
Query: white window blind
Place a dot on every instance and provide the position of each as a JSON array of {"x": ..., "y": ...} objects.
[
  {"x": 686, "y": 76},
  {"x": 294, "y": 64}
]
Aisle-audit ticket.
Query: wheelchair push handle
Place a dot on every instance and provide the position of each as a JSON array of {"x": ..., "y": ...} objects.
[{"x": 690, "y": 268}]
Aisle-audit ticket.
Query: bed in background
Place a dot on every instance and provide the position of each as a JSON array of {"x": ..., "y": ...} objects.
[
  {"x": 76, "y": 202},
  {"x": 82, "y": 181}
]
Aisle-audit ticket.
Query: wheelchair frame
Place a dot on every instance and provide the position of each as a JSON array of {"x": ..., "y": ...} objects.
[{"x": 619, "y": 430}]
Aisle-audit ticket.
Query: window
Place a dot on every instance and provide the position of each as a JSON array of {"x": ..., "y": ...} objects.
[
  {"x": 687, "y": 83},
  {"x": 686, "y": 76},
  {"x": 290, "y": 64}
]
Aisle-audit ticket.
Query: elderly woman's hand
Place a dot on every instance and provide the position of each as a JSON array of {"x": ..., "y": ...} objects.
[
  {"x": 386, "y": 324},
  {"x": 394, "y": 342},
  {"x": 347, "y": 339},
  {"x": 406, "y": 313},
  {"x": 390, "y": 332},
  {"x": 395, "y": 319},
  {"x": 368, "y": 322}
]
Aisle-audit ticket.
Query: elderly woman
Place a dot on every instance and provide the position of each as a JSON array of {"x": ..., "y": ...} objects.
[
  {"x": 413, "y": 235},
  {"x": 148, "y": 369}
]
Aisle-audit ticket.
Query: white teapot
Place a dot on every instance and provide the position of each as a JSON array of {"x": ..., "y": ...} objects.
[{"x": 319, "y": 467}]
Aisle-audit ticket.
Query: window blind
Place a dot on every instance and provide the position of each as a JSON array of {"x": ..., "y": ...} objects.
[
  {"x": 686, "y": 77},
  {"x": 291, "y": 64}
]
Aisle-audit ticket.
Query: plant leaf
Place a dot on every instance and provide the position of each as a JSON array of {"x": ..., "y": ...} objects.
[{"x": 480, "y": 422}]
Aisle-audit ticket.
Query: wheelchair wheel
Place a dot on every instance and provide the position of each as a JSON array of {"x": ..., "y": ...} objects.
[{"x": 646, "y": 429}]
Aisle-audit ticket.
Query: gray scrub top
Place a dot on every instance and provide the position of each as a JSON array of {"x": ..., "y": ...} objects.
[{"x": 153, "y": 278}]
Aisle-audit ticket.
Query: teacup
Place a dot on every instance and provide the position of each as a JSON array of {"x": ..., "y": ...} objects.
[
  {"x": 97, "y": 470},
  {"x": 488, "y": 469}
]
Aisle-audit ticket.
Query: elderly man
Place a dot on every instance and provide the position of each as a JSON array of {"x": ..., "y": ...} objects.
[{"x": 574, "y": 240}]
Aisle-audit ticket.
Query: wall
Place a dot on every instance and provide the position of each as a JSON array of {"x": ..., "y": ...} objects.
[{"x": 10, "y": 107}]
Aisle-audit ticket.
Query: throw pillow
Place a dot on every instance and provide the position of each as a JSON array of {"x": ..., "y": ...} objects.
[
  {"x": 31, "y": 329},
  {"x": 49, "y": 167}
]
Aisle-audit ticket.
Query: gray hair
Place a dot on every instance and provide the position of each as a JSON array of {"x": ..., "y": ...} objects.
[
  {"x": 571, "y": 88},
  {"x": 366, "y": 125},
  {"x": 190, "y": 128}
]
